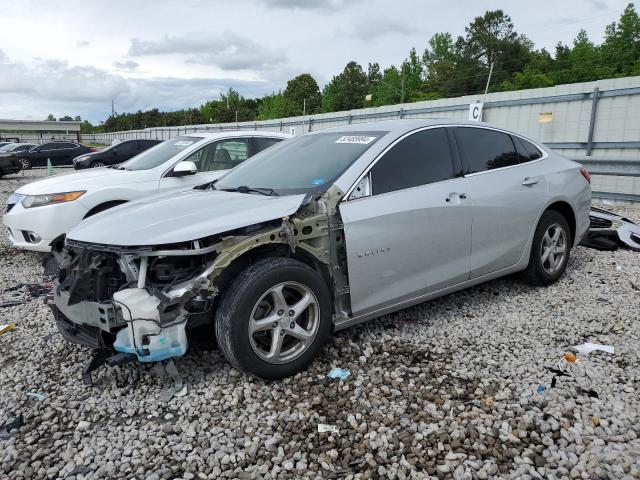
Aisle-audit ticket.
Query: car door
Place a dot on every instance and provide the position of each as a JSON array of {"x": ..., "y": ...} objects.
[
  {"x": 507, "y": 196},
  {"x": 47, "y": 151},
  {"x": 65, "y": 152},
  {"x": 123, "y": 151},
  {"x": 212, "y": 161},
  {"x": 409, "y": 232}
]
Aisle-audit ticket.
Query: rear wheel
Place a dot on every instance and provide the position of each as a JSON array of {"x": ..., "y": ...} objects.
[
  {"x": 274, "y": 318},
  {"x": 25, "y": 163},
  {"x": 550, "y": 250},
  {"x": 97, "y": 164}
]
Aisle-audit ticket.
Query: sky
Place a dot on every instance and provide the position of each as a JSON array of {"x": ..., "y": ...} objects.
[{"x": 74, "y": 57}]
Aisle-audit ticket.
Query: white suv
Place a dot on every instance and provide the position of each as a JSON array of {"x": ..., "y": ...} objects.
[{"x": 39, "y": 214}]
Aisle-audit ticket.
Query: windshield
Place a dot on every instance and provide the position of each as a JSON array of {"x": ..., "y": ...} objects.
[
  {"x": 157, "y": 155},
  {"x": 302, "y": 164},
  {"x": 7, "y": 148}
]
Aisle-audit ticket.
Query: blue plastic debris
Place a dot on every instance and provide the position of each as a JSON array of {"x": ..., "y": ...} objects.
[
  {"x": 340, "y": 373},
  {"x": 39, "y": 396},
  {"x": 540, "y": 389}
]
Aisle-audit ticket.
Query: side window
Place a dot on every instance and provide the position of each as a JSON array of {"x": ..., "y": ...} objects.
[
  {"x": 67, "y": 145},
  {"x": 486, "y": 149},
  {"x": 261, "y": 143},
  {"x": 420, "y": 159},
  {"x": 222, "y": 155},
  {"x": 49, "y": 146},
  {"x": 126, "y": 148},
  {"x": 527, "y": 151}
]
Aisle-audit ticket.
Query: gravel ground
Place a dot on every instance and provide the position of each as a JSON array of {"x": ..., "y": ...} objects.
[{"x": 449, "y": 388}]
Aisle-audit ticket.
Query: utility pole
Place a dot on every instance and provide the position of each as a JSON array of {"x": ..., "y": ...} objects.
[
  {"x": 486, "y": 88},
  {"x": 113, "y": 110}
]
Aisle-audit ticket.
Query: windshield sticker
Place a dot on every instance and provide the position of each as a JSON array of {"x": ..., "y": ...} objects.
[
  {"x": 317, "y": 181},
  {"x": 183, "y": 143},
  {"x": 359, "y": 139}
]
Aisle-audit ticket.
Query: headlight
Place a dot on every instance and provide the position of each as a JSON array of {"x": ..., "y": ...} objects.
[
  {"x": 81, "y": 159},
  {"x": 39, "y": 200}
]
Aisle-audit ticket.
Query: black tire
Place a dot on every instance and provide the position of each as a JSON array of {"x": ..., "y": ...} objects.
[
  {"x": 25, "y": 164},
  {"x": 97, "y": 164},
  {"x": 237, "y": 304},
  {"x": 536, "y": 273}
]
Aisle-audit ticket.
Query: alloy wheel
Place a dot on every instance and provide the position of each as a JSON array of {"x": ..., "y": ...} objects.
[
  {"x": 554, "y": 249},
  {"x": 25, "y": 164},
  {"x": 97, "y": 164},
  {"x": 284, "y": 322}
]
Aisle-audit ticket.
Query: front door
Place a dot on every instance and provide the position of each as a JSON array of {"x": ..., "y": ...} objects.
[
  {"x": 212, "y": 161},
  {"x": 411, "y": 233}
]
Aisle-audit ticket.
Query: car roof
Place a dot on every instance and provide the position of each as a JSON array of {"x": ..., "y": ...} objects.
[
  {"x": 236, "y": 133},
  {"x": 399, "y": 127}
]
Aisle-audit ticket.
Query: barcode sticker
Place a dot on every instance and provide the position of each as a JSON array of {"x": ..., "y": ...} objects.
[{"x": 359, "y": 139}]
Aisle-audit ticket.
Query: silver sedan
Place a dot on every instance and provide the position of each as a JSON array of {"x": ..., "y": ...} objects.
[{"x": 318, "y": 233}]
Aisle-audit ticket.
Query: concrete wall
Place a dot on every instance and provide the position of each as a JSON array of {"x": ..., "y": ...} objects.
[{"x": 615, "y": 125}]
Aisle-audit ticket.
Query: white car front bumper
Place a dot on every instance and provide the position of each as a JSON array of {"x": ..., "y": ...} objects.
[{"x": 47, "y": 223}]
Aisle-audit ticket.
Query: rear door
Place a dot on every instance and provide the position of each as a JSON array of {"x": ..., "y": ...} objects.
[
  {"x": 409, "y": 233},
  {"x": 507, "y": 194},
  {"x": 124, "y": 151},
  {"x": 65, "y": 152}
]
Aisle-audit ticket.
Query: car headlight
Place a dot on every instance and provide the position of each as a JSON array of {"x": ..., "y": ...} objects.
[
  {"x": 31, "y": 201},
  {"x": 81, "y": 159}
]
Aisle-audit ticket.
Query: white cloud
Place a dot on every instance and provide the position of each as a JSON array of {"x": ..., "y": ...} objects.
[
  {"x": 226, "y": 50},
  {"x": 126, "y": 66}
]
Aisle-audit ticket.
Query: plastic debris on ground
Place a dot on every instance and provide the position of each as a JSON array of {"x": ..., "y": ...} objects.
[
  {"x": 587, "y": 348},
  {"x": 6, "y": 327},
  {"x": 540, "y": 389},
  {"x": 5, "y": 431},
  {"x": 37, "y": 395},
  {"x": 323, "y": 428},
  {"x": 169, "y": 375},
  {"x": 340, "y": 373}
]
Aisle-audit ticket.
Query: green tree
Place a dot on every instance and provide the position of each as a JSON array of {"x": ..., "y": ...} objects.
[
  {"x": 345, "y": 91},
  {"x": 276, "y": 105},
  {"x": 303, "y": 90},
  {"x": 50, "y": 118},
  {"x": 66, "y": 118},
  {"x": 621, "y": 47}
]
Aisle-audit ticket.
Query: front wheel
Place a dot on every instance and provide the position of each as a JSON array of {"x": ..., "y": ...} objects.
[
  {"x": 550, "y": 250},
  {"x": 25, "y": 163},
  {"x": 274, "y": 318}
]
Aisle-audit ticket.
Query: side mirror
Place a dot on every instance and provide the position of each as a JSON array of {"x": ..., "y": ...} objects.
[{"x": 184, "y": 168}]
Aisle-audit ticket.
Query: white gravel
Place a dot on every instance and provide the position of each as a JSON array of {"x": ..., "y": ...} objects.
[{"x": 445, "y": 389}]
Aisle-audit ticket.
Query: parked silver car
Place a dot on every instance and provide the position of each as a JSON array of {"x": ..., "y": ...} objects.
[{"x": 319, "y": 233}]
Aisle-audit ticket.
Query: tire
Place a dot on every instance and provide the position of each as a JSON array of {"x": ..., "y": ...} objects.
[
  {"x": 256, "y": 294},
  {"x": 546, "y": 267},
  {"x": 97, "y": 164},
  {"x": 25, "y": 163}
]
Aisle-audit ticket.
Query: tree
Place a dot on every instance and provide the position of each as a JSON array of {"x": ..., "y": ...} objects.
[
  {"x": 276, "y": 105},
  {"x": 345, "y": 91},
  {"x": 303, "y": 90},
  {"x": 50, "y": 118},
  {"x": 78, "y": 118},
  {"x": 621, "y": 47},
  {"x": 66, "y": 118}
]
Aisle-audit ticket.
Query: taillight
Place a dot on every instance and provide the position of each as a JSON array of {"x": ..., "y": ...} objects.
[
  {"x": 585, "y": 173},
  {"x": 93, "y": 149}
]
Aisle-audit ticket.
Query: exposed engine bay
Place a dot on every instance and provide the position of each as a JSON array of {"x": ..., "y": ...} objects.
[{"x": 139, "y": 300}]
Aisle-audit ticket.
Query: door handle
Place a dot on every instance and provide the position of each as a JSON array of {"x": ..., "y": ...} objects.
[{"x": 528, "y": 181}]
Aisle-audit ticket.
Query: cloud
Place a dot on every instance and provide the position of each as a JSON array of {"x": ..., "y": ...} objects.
[
  {"x": 83, "y": 43},
  {"x": 228, "y": 50},
  {"x": 32, "y": 90},
  {"x": 126, "y": 66},
  {"x": 370, "y": 28},
  {"x": 308, "y": 4}
]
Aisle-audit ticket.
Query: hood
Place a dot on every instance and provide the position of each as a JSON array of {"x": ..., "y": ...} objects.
[
  {"x": 181, "y": 217},
  {"x": 82, "y": 180},
  {"x": 88, "y": 154}
]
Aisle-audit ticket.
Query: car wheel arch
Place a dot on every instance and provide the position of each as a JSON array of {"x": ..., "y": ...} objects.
[{"x": 566, "y": 210}]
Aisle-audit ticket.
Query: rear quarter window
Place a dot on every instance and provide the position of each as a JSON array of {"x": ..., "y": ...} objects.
[{"x": 485, "y": 149}]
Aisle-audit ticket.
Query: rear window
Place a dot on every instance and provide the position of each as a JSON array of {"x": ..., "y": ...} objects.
[
  {"x": 527, "y": 151},
  {"x": 486, "y": 149}
]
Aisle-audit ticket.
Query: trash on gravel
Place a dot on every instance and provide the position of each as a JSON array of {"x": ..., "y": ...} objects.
[
  {"x": 5, "y": 432},
  {"x": 38, "y": 395},
  {"x": 570, "y": 357},
  {"x": 608, "y": 231},
  {"x": 176, "y": 388},
  {"x": 541, "y": 388},
  {"x": 323, "y": 428},
  {"x": 6, "y": 327},
  {"x": 340, "y": 373},
  {"x": 587, "y": 348}
]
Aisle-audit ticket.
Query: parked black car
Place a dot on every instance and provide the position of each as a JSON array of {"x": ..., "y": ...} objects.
[
  {"x": 12, "y": 148},
  {"x": 9, "y": 165},
  {"x": 59, "y": 152},
  {"x": 117, "y": 153}
]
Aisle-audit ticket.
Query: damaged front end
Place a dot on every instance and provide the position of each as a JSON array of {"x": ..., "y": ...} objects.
[
  {"x": 608, "y": 231},
  {"x": 140, "y": 300}
]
